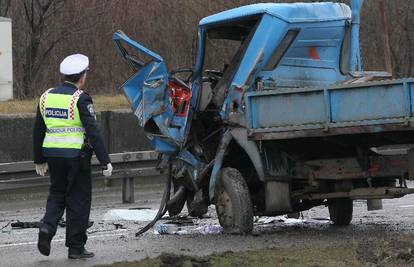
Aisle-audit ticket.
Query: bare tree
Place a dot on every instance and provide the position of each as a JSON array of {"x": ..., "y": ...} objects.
[
  {"x": 402, "y": 37},
  {"x": 43, "y": 24},
  {"x": 36, "y": 15},
  {"x": 4, "y": 7}
]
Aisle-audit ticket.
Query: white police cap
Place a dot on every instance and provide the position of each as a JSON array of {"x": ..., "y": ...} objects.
[{"x": 74, "y": 64}]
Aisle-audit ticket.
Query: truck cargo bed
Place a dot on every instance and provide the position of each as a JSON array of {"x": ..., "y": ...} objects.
[{"x": 370, "y": 107}]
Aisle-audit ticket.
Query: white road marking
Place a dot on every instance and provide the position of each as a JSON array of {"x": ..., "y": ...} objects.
[
  {"x": 406, "y": 206},
  {"x": 62, "y": 239}
]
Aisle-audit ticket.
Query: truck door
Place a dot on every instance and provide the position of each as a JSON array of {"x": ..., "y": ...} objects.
[
  {"x": 148, "y": 92},
  {"x": 146, "y": 88}
]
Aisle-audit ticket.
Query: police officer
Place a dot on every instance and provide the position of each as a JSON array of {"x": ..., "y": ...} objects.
[{"x": 65, "y": 132}]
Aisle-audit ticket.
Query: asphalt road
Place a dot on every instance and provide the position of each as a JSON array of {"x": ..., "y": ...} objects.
[{"x": 18, "y": 246}]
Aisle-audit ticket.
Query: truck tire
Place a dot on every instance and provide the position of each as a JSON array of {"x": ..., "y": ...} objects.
[
  {"x": 233, "y": 206},
  {"x": 340, "y": 211}
]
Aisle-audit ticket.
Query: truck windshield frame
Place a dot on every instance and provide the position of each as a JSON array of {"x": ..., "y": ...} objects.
[
  {"x": 241, "y": 30},
  {"x": 236, "y": 30}
]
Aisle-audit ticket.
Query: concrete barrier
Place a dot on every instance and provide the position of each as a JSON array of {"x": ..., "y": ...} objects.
[
  {"x": 16, "y": 137},
  {"x": 119, "y": 128},
  {"x": 122, "y": 132}
]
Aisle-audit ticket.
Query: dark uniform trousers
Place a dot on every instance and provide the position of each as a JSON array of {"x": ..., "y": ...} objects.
[{"x": 70, "y": 189}]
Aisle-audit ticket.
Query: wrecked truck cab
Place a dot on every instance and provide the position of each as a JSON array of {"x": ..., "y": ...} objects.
[
  {"x": 275, "y": 119},
  {"x": 268, "y": 46},
  {"x": 162, "y": 113}
]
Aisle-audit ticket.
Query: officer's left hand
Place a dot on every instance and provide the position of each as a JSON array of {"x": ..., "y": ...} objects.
[
  {"x": 108, "y": 170},
  {"x": 41, "y": 169}
]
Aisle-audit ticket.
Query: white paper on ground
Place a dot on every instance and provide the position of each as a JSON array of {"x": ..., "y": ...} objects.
[
  {"x": 285, "y": 220},
  {"x": 141, "y": 215}
]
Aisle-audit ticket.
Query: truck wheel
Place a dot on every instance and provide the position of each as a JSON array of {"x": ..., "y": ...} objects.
[
  {"x": 340, "y": 211},
  {"x": 233, "y": 206}
]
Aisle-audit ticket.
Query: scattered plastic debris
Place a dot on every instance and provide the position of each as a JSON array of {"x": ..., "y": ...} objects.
[
  {"x": 267, "y": 220},
  {"x": 119, "y": 226},
  {"x": 285, "y": 220},
  {"x": 169, "y": 229},
  {"x": 210, "y": 229},
  {"x": 130, "y": 215}
]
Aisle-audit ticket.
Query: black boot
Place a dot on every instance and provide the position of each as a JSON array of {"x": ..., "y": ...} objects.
[
  {"x": 43, "y": 243},
  {"x": 79, "y": 253}
]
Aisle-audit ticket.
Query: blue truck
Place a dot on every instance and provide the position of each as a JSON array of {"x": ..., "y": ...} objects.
[{"x": 275, "y": 117}]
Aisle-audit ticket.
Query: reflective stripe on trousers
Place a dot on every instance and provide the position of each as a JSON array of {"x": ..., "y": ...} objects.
[
  {"x": 66, "y": 130},
  {"x": 63, "y": 139}
]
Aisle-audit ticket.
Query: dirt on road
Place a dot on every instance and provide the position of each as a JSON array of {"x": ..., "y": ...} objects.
[{"x": 397, "y": 251}]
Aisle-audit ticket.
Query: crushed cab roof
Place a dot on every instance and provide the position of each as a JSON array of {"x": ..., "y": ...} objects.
[{"x": 292, "y": 12}]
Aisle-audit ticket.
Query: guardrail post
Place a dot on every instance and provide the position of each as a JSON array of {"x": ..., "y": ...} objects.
[{"x": 128, "y": 190}]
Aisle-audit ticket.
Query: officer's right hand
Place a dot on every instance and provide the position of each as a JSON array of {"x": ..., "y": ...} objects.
[
  {"x": 41, "y": 169},
  {"x": 108, "y": 170}
]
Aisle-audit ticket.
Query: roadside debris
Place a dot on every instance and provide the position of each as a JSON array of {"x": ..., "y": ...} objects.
[
  {"x": 169, "y": 229},
  {"x": 119, "y": 226},
  {"x": 37, "y": 224},
  {"x": 210, "y": 229},
  {"x": 173, "y": 229},
  {"x": 183, "y": 225},
  {"x": 20, "y": 224},
  {"x": 285, "y": 220}
]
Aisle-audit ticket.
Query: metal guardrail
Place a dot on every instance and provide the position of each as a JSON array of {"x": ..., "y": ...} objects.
[{"x": 127, "y": 166}]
